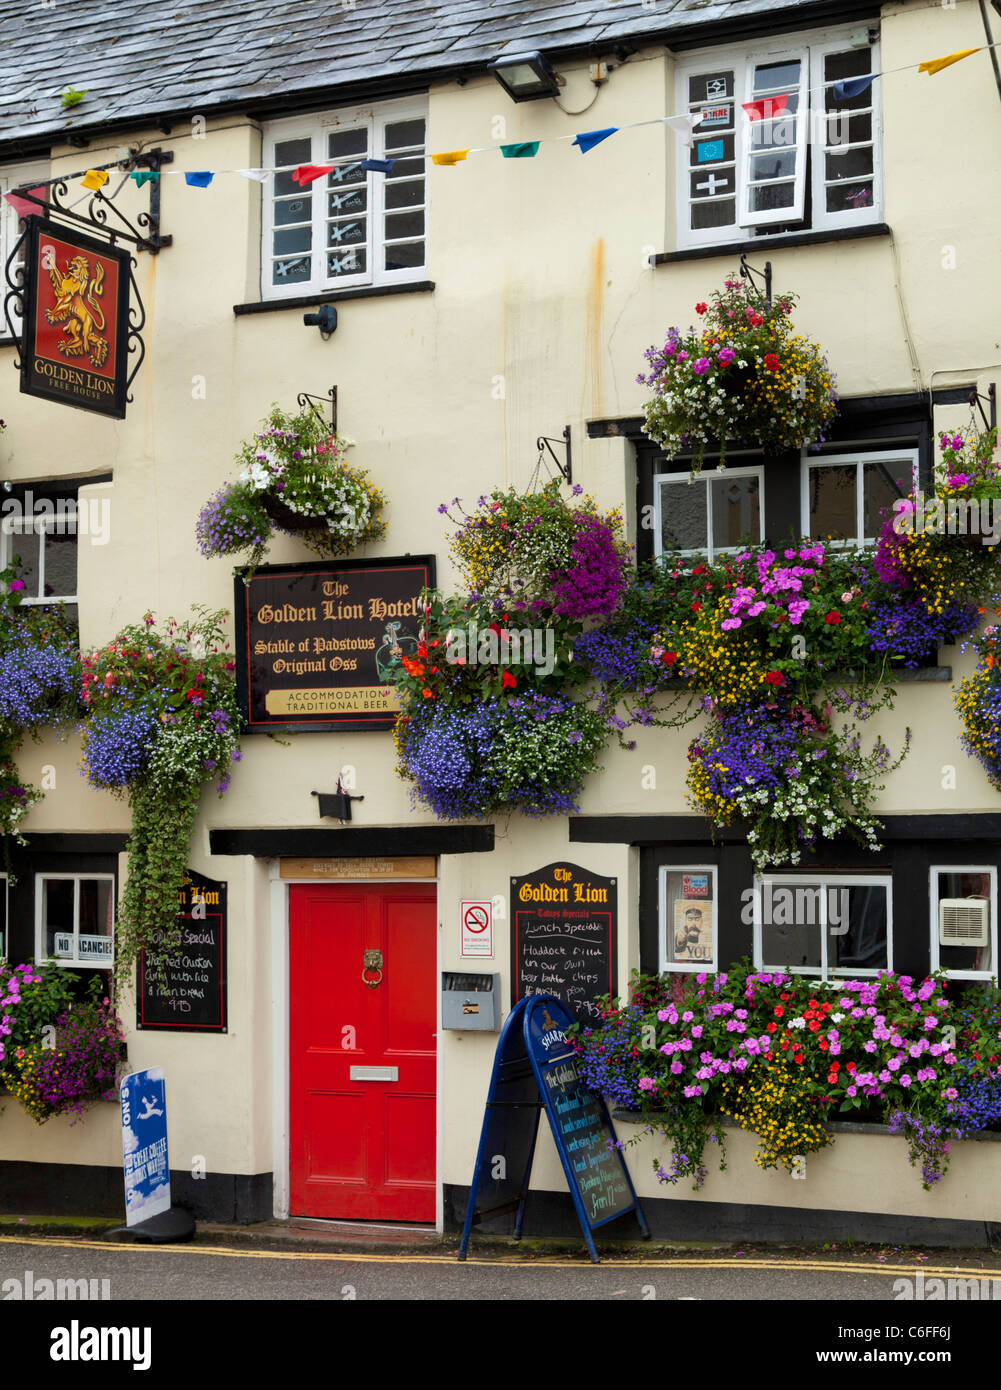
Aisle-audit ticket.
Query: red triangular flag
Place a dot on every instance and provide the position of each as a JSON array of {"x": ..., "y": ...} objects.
[
  {"x": 21, "y": 205},
  {"x": 306, "y": 173},
  {"x": 766, "y": 107}
]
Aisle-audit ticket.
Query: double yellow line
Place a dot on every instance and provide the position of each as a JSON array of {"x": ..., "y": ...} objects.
[{"x": 519, "y": 1261}]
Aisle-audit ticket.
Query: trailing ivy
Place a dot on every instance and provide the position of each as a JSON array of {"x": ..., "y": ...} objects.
[{"x": 164, "y": 721}]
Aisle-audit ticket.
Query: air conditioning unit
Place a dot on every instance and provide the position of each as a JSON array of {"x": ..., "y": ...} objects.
[{"x": 963, "y": 921}]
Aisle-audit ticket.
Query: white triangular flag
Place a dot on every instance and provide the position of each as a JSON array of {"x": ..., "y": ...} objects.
[
  {"x": 261, "y": 175},
  {"x": 683, "y": 125}
]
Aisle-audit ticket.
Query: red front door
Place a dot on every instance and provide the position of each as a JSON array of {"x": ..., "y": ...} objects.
[{"x": 362, "y": 1065}]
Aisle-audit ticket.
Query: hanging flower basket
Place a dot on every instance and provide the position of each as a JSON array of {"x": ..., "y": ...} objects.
[
  {"x": 744, "y": 376},
  {"x": 295, "y": 480}
]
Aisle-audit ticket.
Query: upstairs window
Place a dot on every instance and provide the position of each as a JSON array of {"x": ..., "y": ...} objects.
[
  {"x": 352, "y": 226},
  {"x": 811, "y": 159}
]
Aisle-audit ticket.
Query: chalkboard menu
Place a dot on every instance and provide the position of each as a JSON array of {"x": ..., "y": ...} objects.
[
  {"x": 187, "y": 992},
  {"x": 564, "y": 925},
  {"x": 580, "y": 1121},
  {"x": 317, "y": 644},
  {"x": 535, "y": 1070}
]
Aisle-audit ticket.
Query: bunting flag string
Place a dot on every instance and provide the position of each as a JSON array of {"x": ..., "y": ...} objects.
[{"x": 762, "y": 108}]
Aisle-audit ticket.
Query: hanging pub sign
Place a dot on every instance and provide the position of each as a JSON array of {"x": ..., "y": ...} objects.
[
  {"x": 564, "y": 926},
  {"x": 187, "y": 992},
  {"x": 317, "y": 644},
  {"x": 74, "y": 347}
]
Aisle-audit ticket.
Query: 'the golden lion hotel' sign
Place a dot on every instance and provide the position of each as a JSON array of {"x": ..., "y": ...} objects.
[
  {"x": 318, "y": 645},
  {"x": 76, "y": 319}
]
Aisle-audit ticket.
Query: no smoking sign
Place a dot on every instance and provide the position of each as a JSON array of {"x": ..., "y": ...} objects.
[{"x": 477, "y": 921}]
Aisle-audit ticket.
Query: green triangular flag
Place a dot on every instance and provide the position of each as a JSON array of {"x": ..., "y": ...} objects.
[
  {"x": 142, "y": 176},
  {"x": 527, "y": 150}
]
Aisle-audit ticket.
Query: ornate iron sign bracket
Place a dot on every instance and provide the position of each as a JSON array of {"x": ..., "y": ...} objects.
[{"x": 307, "y": 401}]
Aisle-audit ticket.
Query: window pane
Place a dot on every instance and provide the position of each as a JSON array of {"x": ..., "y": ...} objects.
[
  {"x": 776, "y": 77},
  {"x": 345, "y": 175},
  {"x": 856, "y": 927},
  {"x": 293, "y": 210},
  {"x": 403, "y": 135},
  {"x": 289, "y": 272},
  {"x": 790, "y": 927},
  {"x": 96, "y": 921},
  {"x": 689, "y": 928},
  {"x": 712, "y": 183},
  {"x": 344, "y": 233},
  {"x": 882, "y": 484},
  {"x": 970, "y": 888},
  {"x": 25, "y": 546},
  {"x": 57, "y": 917},
  {"x": 293, "y": 151},
  {"x": 847, "y": 196},
  {"x": 773, "y": 135},
  {"x": 284, "y": 184},
  {"x": 768, "y": 196},
  {"x": 854, "y": 62},
  {"x": 404, "y": 195},
  {"x": 736, "y": 508},
  {"x": 684, "y": 515},
  {"x": 292, "y": 239},
  {"x": 60, "y": 564},
  {"x": 850, "y": 163},
  {"x": 718, "y": 212},
  {"x": 773, "y": 165},
  {"x": 4, "y": 944},
  {"x": 405, "y": 224},
  {"x": 351, "y": 262},
  {"x": 709, "y": 87},
  {"x": 832, "y": 501},
  {"x": 848, "y": 130},
  {"x": 404, "y": 255},
  {"x": 716, "y": 149},
  {"x": 347, "y": 142},
  {"x": 351, "y": 200}
]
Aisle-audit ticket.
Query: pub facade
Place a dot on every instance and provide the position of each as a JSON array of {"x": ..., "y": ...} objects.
[{"x": 312, "y": 1033}]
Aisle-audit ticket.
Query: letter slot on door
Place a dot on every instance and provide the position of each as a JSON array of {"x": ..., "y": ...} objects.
[{"x": 470, "y": 1002}]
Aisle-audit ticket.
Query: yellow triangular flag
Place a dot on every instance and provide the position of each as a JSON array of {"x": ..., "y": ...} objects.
[
  {"x": 95, "y": 179},
  {"x": 453, "y": 157},
  {"x": 937, "y": 64}
]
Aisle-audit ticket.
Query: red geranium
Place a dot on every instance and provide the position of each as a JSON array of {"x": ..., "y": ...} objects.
[
  {"x": 772, "y": 362},
  {"x": 701, "y": 308},
  {"x": 775, "y": 678},
  {"x": 832, "y": 618}
]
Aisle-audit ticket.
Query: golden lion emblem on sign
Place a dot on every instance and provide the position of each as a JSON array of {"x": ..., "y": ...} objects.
[{"x": 77, "y": 307}]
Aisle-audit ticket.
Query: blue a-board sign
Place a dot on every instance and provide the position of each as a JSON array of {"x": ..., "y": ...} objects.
[
  {"x": 535, "y": 1069},
  {"x": 144, "y": 1145}
]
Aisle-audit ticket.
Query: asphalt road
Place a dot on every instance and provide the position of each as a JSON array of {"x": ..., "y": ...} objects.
[{"x": 207, "y": 1273}]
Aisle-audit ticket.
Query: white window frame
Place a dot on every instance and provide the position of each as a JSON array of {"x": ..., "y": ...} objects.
[
  {"x": 41, "y": 954},
  {"x": 13, "y": 176},
  {"x": 668, "y": 967},
  {"x": 13, "y": 526},
  {"x": 5, "y": 929},
  {"x": 811, "y": 48},
  {"x": 826, "y": 880},
  {"x": 317, "y": 128},
  {"x": 695, "y": 480},
  {"x": 933, "y": 871},
  {"x": 859, "y": 457}
]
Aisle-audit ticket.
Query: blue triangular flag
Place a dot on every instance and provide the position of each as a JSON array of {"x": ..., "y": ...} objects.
[
  {"x": 589, "y": 138},
  {"x": 379, "y": 166},
  {"x": 200, "y": 178},
  {"x": 853, "y": 87}
]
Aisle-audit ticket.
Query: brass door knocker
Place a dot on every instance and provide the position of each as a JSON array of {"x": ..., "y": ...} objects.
[{"x": 372, "y": 960}]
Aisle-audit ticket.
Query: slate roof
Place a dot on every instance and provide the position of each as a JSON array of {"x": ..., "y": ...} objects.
[{"x": 138, "y": 60}]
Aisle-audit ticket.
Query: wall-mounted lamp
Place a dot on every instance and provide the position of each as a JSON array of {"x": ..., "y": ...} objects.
[
  {"x": 325, "y": 319},
  {"x": 526, "y": 76}
]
